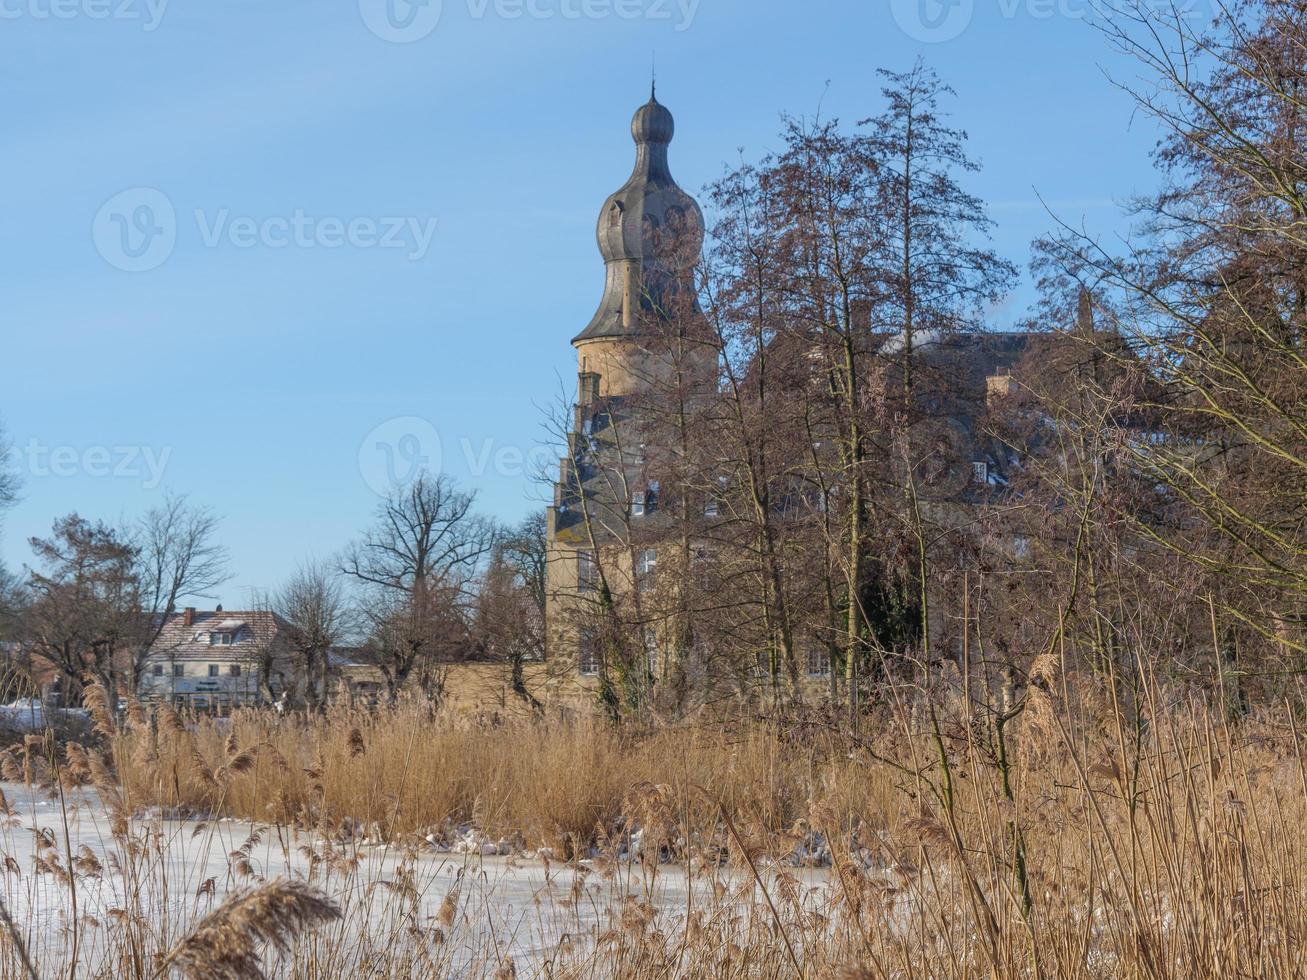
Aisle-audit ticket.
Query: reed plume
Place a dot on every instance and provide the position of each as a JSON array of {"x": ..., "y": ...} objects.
[{"x": 228, "y": 943}]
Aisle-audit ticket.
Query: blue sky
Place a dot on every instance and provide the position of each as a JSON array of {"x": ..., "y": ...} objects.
[{"x": 260, "y": 367}]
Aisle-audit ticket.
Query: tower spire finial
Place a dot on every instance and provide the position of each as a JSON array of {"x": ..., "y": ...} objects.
[{"x": 653, "y": 80}]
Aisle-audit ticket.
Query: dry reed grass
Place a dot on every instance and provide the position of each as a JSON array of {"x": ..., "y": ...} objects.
[
  {"x": 1076, "y": 830},
  {"x": 559, "y": 783}
]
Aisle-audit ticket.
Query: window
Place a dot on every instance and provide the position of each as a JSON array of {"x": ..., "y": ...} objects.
[
  {"x": 158, "y": 670},
  {"x": 213, "y": 670},
  {"x": 651, "y": 646},
  {"x": 587, "y": 572},
  {"x": 637, "y": 504},
  {"x": 220, "y": 639},
  {"x": 818, "y": 661},
  {"x": 646, "y": 563},
  {"x": 587, "y": 655},
  {"x": 979, "y": 472},
  {"x": 713, "y": 506},
  {"x": 234, "y": 670},
  {"x": 178, "y": 670}
]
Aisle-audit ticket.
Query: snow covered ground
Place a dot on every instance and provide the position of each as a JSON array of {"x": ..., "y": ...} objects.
[
  {"x": 525, "y": 907},
  {"x": 32, "y": 715}
]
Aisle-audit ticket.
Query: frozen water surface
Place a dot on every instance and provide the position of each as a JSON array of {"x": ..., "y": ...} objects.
[{"x": 522, "y": 906}]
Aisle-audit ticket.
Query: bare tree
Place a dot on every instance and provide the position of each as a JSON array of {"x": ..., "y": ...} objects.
[
  {"x": 936, "y": 278},
  {"x": 83, "y": 616},
  {"x": 831, "y": 259},
  {"x": 750, "y": 445},
  {"x": 8, "y": 473},
  {"x": 417, "y": 565},
  {"x": 525, "y": 548},
  {"x": 270, "y": 654},
  {"x": 175, "y": 557},
  {"x": 16, "y": 663},
  {"x": 314, "y": 605},
  {"x": 1214, "y": 297},
  {"x": 8, "y": 496},
  {"x": 509, "y": 627}
]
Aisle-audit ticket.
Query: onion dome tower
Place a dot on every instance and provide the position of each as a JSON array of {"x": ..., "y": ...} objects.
[{"x": 651, "y": 236}]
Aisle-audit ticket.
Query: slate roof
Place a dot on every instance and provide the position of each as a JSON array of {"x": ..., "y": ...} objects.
[
  {"x": 650, "y": 221},
  {"x": 254, "y": 632}
]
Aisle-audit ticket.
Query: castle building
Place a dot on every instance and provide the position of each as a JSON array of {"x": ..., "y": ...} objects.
[
  {"x": 604, "y": 524},
  {"x": 617, "y": 540}
]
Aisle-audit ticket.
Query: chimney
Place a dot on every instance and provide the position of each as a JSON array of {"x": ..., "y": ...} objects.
[
  {"x": 188, "y": 616},
  {"x": 1000, "y": 385}
]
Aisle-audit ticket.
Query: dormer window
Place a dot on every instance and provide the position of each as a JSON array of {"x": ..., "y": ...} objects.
[
  {"x": 638, "y": 503},
  {"x": 980, "y": 472},
  {"x": 223, "y": 639}
]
